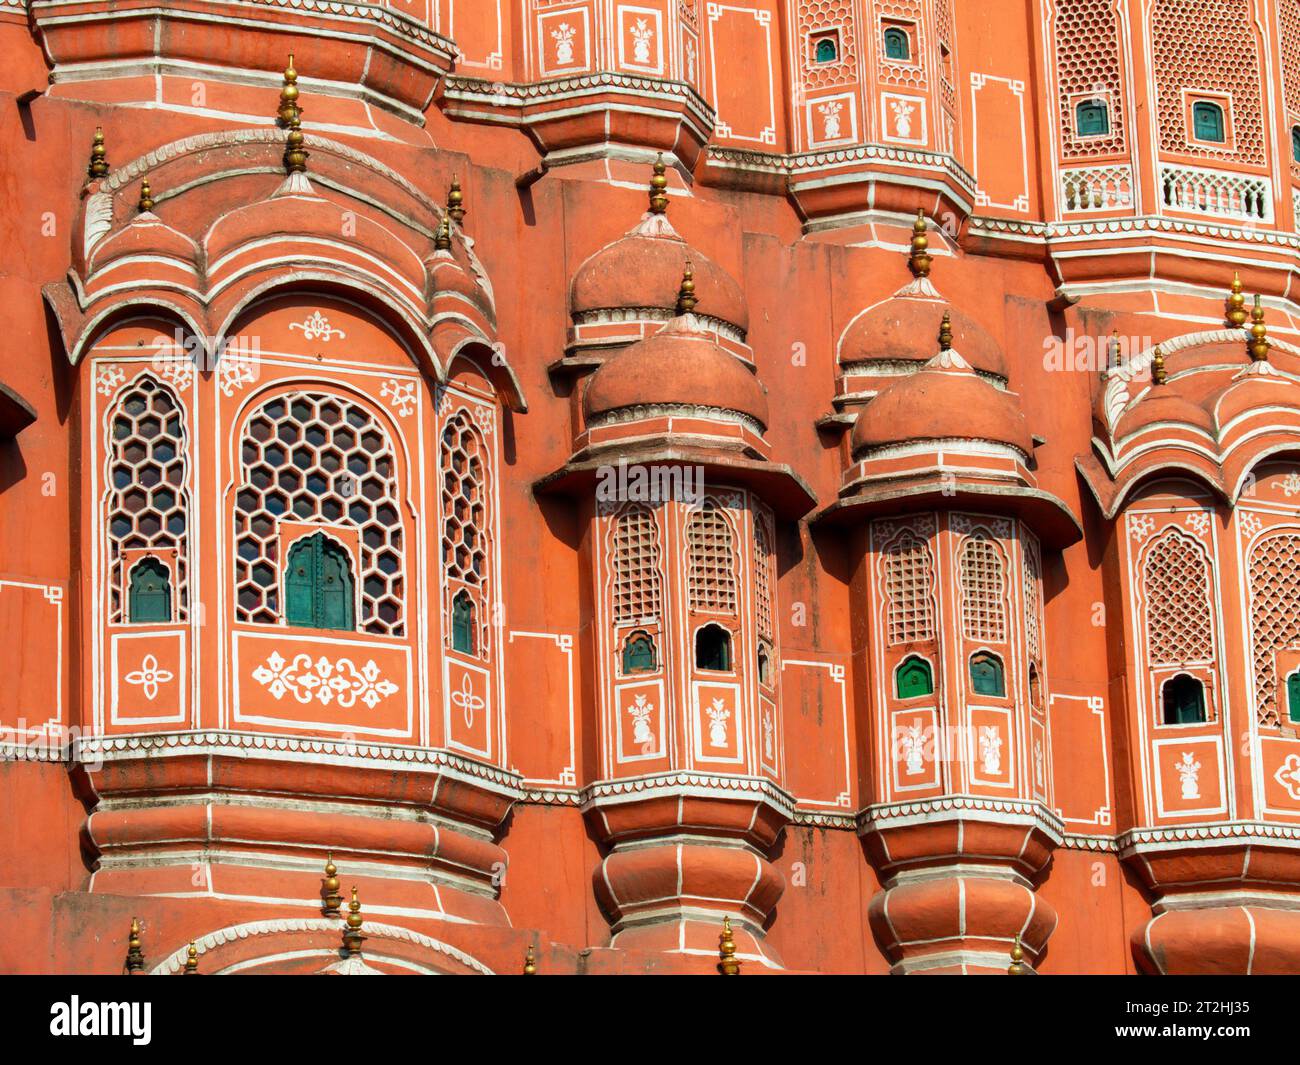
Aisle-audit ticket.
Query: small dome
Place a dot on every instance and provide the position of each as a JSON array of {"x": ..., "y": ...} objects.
[
  {"x": 903, "y": 328},
  {"x": 681, "y": 364},
  {"x": 640, "y": 270},
  {"x": 944, "y": 400}
]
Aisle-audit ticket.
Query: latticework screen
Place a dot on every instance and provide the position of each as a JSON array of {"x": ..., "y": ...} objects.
[
  {"x": 981, "y": 574},
  {"x": 908, "y": 590},
  {"x": 1274, "y": 617},
  {"x": 636, "y": 565},
  {"x": 1176, "y": 589},
  {"x": 711, "y": 560}
]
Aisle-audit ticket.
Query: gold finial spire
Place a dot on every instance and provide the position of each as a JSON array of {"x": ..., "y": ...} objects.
[
  {"x": 659, "y": 187},
  {"x": 442, "y": 242},
  {"x": 329, "y": 889},
  {"x": 530, "y": 962},
  {"x": 1257, "y": 346},
  {"x": 352, "y": 936},
  {"x": 146, "y": 197},
  {"x": 686, "y": 301},
  {"x": 728, "y": 965},
  {"x": 134, "y": 953},
  {"x": 1016, "y": 968},
  {"x": 1158, "y": 374},
  {"x": 98, "y": 155},
  {"x": 290, "y": 117},
  {"x": 1235, "y": 304},
  {"x": 919, "y": 260},
  {"x": 456, "y": 201},
  {"x": 945, "y": 332},
  {"x": 192, "y": 961}
]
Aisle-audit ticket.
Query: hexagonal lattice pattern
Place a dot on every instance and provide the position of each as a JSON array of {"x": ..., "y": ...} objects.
[
  {"x": 1289, "y": 34},
  {"x": 318, "y": 457},
  {"x": 1208, "y": 44},
  {"x": 464, "y": 467},
  {"x": 817, "y": 15},
  {"x": 1274, "y": 620},
  {"x": 1176, "y": 587},
  {"x": 1087, "y": 64},
  {"x": 147, "y": 503}
]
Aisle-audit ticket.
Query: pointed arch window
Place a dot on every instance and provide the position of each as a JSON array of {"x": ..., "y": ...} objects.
[
  {"x": 908, "y": 581},
  {"x": 987, "y": 676},
  {"x": 713, "y": 649},
  {"x": 465, "y": 463},
  {"x": 913, "y": 678},
  {"x": 1176, "y": 585},
  {"x": 826, "y": 50},
  {"x": 1274, "y": 621},
  {"x": 149, "y": 597},
  {"x": 982, "y": 575},
  {"x": 462, "y": 623},
  {"x": 636, "y": 562},
  {"x": 711, "y": 558},
  {"x": 1183, "y": 701},
  {"x": 319, "y": 588},
  {"x": 639, "y": 654}
]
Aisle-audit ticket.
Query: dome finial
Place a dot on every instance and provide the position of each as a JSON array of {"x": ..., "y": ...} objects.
[
  {"x": 330, "y": 898},
  {"x": 442, "y": 242},
  {"x": 919, "y": 260},
  {"x": 134, "y": 953},
  {"x": 728, "y": 964},
  {"x": 945, "y": 332},
  {"x": 192, "y": 961},
  {"x": 289, "y": 117},
  {"x": 146, "y": 197},
  {"x": 530, "y": 962},
  {"x": 1158, "y": 375},
  {"x": 659, "y": 187},
  {"x": 686, "y": 301},
  {"x": 1257, "y": 346},
  {"x": 352, "y": 936},
  {"x": 1016, "y": 968},
  {"x": 98, "y": 155},
  {"x": 456, "y": 201},
  {"x": 1235, "y": 304}
]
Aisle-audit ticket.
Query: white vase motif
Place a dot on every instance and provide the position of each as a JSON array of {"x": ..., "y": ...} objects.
[
  {"x": 830, "y": 112},
  {"x": 640, "y": 711},
  {"x": 718, "y": 724},
  {"x": 1189, "y": 772},
  {"x": 914, "y": 750},
  {"x": 563, "y": 37},
  {"x": 990, "y": 749},
  {"x": 642, "y": 34},
  {"x": 1038, "y": 763},
  {"x": 690, "y": 60},
  {"x": 768, "y": 730},
  {"x": 902, "y": 118}
]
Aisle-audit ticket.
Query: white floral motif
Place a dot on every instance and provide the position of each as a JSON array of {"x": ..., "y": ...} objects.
[
  {"x": 1189, "y": 771},
  {"x": 642, "y": 33},
  {"x": 641, "y": 711},
  {"x": 913, "y": 740},
  {"x": 902, "y": 117},
  {"x": 468, "y": 700},
  {"x": 690, "y": 59},
  {"x": 990, "y": 750},
  {"x": 108, "y": 378},
  {"x": 1038, "y": 764},
  {"x": 1291, "y": 484},
  {"x": 1198, "y": 522},
  {"x": 323, "y": 681},
  {"x": 563, "y": 37},
  {"x": 1251, "y": 524},
  {"x": 149, "y": 676},
  {"x": 1140, "y": 528},
  {"x": 400, "y": 395},
  {"x": 317, "y": 327},
  {"x": 717, "y": 724},
  {"x": 483, "y": 419},
  {"x": 175, "y": 366},
  {"x": 1288, "y": 775},
  {"x": 830, "y": 112},
  {"x": 234, "y": 370},
  {"x": 769, "y": 731}
]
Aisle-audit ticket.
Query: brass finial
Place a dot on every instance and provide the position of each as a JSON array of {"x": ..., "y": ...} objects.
[
  {"x": 456, "y": 201},
  {"x": 192, "y": 961},
  {"x": 919, "y": 260},
  {"x": 1112, "y": 350},
  {"x": 945, "y": 332},
  {"x": 290, "y": 117},
  {"x": 442, "y": 242},
  {"x": 289, "y": 114},
  {"x": 134, "y": 954},
  {"x": 1016, "y": 968},
  {"x": 1158, "y": 374},
  {"x": 98, "y": 155},
  {"x": 659, "y": 187},
  {"x": 329, "y": 889},
  {"x": 530, "y": 962},
  {"x": 146, "y": 197},
  {"x": 728, "y": 965},
  {"x": 686, "y": 301},
  {"x": 352, "y": 936},
  {"x": 1257, "y": 346},
  {"x": 1235, "y": 304}
]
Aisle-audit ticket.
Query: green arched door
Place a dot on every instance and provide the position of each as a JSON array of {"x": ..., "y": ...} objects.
[{"x": 318, "y": 587}]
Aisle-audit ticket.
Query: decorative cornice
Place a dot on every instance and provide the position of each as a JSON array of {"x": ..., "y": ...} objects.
[
  {"x": 616, "y": 792},
  {"x": 961, "y": 807},
  {"x": 644, "y": 411},
  {"x": 1236, "y": 833},
  {"x": 804, "y": 163}
]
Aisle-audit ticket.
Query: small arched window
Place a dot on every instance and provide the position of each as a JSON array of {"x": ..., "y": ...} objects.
[
  {"x": 1293, "y": 697},
  {"x": 319, "y": 591},
  {"x": 1035, "y": 687},
  {"x": 713, "y": 649},
  {"x": 1207, "y": 122},
  {"x": 1183, "y": 701},
  {"x": 825, "y": 51},
  {"x": 462, "y": 623},
  {"x": 639, "y": 654},
  {"x": 897, "y": 44},
  {"x": 913, "y": 678},
  {"x": 764, "y": 665},
  {"x": 987, "y": 676},
  {"x": 149, "y": 596},
  {"x": 1091, "y": 118},
  {"x": 1295, "y": 143}
]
